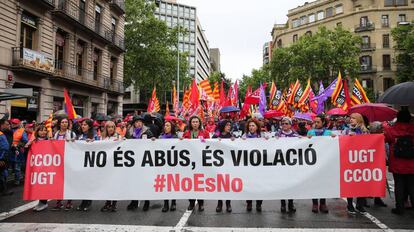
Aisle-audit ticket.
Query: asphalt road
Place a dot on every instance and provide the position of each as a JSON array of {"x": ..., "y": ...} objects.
[{"x": 16, "y": 215}]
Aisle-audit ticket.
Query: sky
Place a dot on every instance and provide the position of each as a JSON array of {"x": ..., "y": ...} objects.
[{"x": 239, "y": 28}]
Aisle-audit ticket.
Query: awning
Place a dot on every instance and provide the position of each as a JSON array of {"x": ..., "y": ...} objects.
[{"x": 9, "y": 94}]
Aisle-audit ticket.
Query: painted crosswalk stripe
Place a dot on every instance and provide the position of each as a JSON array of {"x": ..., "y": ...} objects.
[{"x": 58, "y": 227}]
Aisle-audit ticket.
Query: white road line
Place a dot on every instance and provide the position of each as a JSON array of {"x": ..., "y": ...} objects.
[
  {"x": 18, "y": 210},
  {"x": 58, "y": 227},
  {"x": 183, "y": 220},
  {"x": 377, "y": 222}
]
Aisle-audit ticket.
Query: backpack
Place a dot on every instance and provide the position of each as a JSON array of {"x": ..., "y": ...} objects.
[{"x": 404, "y": 147}]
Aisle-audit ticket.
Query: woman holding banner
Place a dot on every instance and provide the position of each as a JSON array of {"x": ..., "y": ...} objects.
[
  {"x": 40, "y": 134},
  {"x": 195, "y": 131},
  {"x": 319, "y": 129},
  {"x": 253, "y": 131},
  {"x": 224, "y": 133},
  {"x": 138, "y": 131},
  {"x": 64, "y": 133},
  {"x": 287, "y": 132},
  {"x": 168, "y": 133},
  {"x": 356, "y": 127},
  {"x": 109, "y": 134},
  {"x": 88, "y": 134}
]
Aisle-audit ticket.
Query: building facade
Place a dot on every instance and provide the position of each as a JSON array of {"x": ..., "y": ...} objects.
[
  {"x": 194, "y": 42},
  {"x": 215, "y": 60},
  {"x": 372, "y": 20},
  {"x": 49, "y": 45},
  {"x": 267, "y": 52}
]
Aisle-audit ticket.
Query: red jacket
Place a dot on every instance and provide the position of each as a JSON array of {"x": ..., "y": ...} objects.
[
  {"x": 398, "y": 165},
  {"x": 203, "y": 133}
]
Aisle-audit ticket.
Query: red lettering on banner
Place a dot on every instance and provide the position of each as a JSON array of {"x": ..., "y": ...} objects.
[
  {"x": 45, "y": 171},
  {"x": 362, "y": 166},
  {"x": 198, "y": 183}
]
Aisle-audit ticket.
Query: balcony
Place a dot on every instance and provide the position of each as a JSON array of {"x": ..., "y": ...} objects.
[
  {"x": 73, "y": 73},
  {"x": 369, "y": 26},
  {"x": 118, "y": 6},
  {"x": 24, "y": 59},
  {"x": 368, "y": 47},
  {"x": 47, "y": 4},
  {"x": 366, "y": 69},
  {"x": 117, "y": 42},
  {"x": 82, "y": 19}
]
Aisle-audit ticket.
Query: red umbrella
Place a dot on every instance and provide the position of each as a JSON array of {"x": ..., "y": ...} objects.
[
  {"x": 273, "y": 113},
  {"x": 375, "y": 111},
  {"x": 171, "y": 118},
  {"x": 336, "y": 111}
]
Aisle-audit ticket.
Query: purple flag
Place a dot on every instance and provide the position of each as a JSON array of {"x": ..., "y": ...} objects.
[
  {"x": 262, "y": 102},
  {"x": 321, "y": 101},
  {"x": 327, "y": 92}
]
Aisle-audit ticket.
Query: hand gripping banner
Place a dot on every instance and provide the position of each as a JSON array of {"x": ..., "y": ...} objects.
[{"x": 284, "y": 168}]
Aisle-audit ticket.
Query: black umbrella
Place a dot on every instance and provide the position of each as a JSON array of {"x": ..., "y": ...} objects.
[{"x": 401, "y": 94}]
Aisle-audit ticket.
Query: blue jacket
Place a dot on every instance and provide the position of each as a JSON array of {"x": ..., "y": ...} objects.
[
  {"x": 4, "y": 150},
  {"x": 326, "y": 132}
]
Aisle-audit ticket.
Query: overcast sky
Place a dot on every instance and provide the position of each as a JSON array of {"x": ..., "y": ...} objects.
[{"x": 239, "y": 28}]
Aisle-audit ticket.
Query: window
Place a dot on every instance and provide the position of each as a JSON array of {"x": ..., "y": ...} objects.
[
  {"x": 303, "y": 20},
  {"x": 387, "y": 83},
  {"x": 311, "y": 18},
  {"x": 339, "y": 9},
  {"x": 112, "y": 69},
  {"x": 113, "y": 26},
  {"x": 174, "y": 22},
  {"x": 329, "y": 12},
  {"x": 79, "y": 57},
  {"x": 386, "y": 62},
  {"x": 385, "y": 21},
  {"x": 365, "y": 41},
  {"x": 295, "y": 23},
  {"x": 339, "y": 24},
  {"x": 96, "y": 61},
  {"x": 295, "y": 38},
  {"x": 97, "y": 18},
  {"x": 82, "y": 9},
  {"x": 366, "y": 62},
  {"x": 320, "y": 15},
  {"x": 192, "y": 25},
  {"x": 279, "y": 43},
  {"x": 388, "y": 2},
  {"x": 175, "y": 10},
  {"x": 308, "y": 33},
  {"x": 386, "y": 41},
  {"x": 192, "y": 37},
  {"x": 59, "y": 50},
  {"x": 28, "y": 31},
  {"x": 363, "y": 22},
  {"x": 402, "y": 18},
  {"x": 401, "y": 2},
  {"x": 192, "y": 13}
]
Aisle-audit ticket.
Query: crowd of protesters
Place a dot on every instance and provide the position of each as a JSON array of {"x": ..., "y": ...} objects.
[{"x": 16, "y": 137}]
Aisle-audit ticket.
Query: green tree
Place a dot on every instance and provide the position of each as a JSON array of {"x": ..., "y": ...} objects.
[
  {"x": 319, "y": 57},
  {"x": 403, "y": 35},
  {"x": 218, "y": 77},
  {"x": 151, "y": 50}
]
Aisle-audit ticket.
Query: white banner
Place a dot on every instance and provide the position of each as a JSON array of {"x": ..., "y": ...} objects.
[{"x": 285, "y": 168}]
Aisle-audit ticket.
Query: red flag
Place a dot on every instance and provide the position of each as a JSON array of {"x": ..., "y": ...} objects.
[
  {"x": 153, "y": 103},
  {"x": 222, "y": 95},
  {"x": 235, "y": 99},
  {"x": 216, "y": 92},
  {"x": 294, "y": 90},
  {"x": 272, "y": 93},
  {"x": 254, "y": 98},
  {"x": 175, "y": 102},
  {"x": 70, "y": 110},
  {"x": 195, "y": 95}
]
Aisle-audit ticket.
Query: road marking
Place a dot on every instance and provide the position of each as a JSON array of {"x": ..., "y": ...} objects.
[
  {"x": 183, "y": 220},
  {"x": 58, "y": 227},
  {"x": 18, "y": 210},
  {"x": 375, "y": 220}
]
